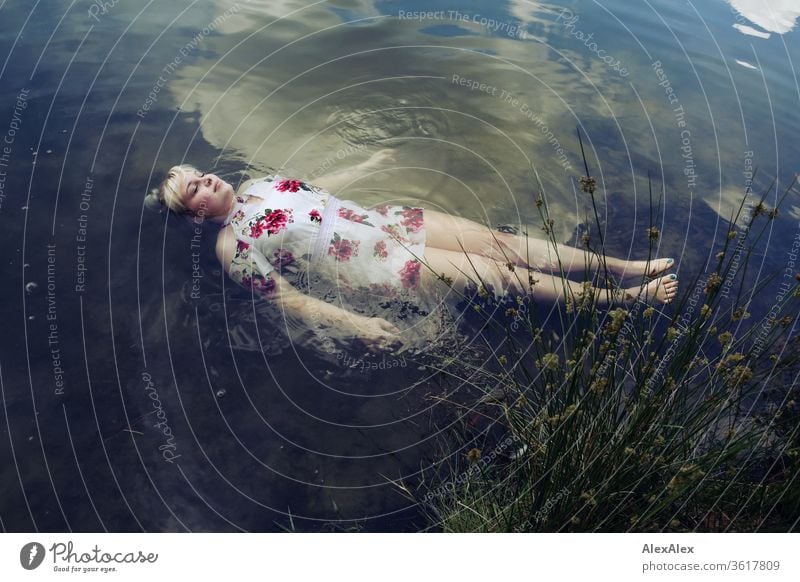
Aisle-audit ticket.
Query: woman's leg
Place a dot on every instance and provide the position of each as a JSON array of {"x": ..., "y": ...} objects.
[
  {"x": 444, "y": 231},
  {"x": 466, "y": 270}
]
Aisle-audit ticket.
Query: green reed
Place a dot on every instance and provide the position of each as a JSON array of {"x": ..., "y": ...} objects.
[{"x": 635, "y": 417}]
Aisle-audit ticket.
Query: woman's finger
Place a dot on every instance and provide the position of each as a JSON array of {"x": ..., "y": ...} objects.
[{"x": 388, "y": 326}]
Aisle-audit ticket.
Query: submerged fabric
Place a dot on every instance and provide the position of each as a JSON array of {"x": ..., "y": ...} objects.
[{"x": 365, "y": 261}]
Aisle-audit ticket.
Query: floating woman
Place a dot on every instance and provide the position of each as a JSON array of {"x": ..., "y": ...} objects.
[{"x": 274, "y": 231}]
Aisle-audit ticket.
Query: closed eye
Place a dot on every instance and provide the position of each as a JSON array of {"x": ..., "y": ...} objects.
[{"x": 194, "y": 190}]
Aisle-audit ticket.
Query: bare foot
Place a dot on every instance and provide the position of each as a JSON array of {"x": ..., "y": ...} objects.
[
  {"x": 639, "y": 268},
  {"x": 661, "y": 290}
]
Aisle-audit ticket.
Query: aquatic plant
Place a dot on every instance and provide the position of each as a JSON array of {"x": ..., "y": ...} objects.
[{"x": 637, "y": 417}]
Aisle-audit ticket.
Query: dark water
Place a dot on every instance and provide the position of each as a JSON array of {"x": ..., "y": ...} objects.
[{"x": 128, "y": 405}]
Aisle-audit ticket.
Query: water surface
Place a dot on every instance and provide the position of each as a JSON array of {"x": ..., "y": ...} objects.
[{"x": 129, "y": 405}]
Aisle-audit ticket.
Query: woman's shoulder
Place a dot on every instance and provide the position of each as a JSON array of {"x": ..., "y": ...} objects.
[
  {"x": 283, "y": 184},
  {"x": 226, "y": 245}
]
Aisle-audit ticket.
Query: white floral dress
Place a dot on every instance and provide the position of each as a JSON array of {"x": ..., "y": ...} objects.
[{"x": 312, "y": 238}]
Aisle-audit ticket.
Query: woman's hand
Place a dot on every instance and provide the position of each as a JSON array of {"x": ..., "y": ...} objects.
[
  {"x": 348, "y": 330},
  {"x": 376, "y": 334}
]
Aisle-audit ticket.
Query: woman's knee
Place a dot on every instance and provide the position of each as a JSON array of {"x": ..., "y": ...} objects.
[{"x": 494, "y": 276}]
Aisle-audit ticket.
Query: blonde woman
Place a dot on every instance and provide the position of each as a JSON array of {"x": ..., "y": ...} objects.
[{"x": 280, "y": 237}]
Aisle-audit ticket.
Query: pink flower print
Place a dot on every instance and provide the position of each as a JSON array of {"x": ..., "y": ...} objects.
[
  {"x": 242, "y": 249},
  {"x": 409, "y": 274},
  {"x": 283, "y": 257},
  {"x": 394, "y": 231},
  {"x": 383, "y": 209},
  {"x": 380, "y": 252},
  {"x": 257, "y": 227},
  {"x": 237, "y": 216},
  {"x": 259, "y": 284},
  {"x": 383, "y": 290},
  {"x": 343, "y": 249},
  {"x": 254, "y": 281},
  {"x": 348, "y": 214},
  {"x": 315, "y": 216},
  {"x": 273, "y": 222},
  {"x": 278, "y": 219},
  {"x": 412, "y": 218},
  {"x": 290, "y": 185}
]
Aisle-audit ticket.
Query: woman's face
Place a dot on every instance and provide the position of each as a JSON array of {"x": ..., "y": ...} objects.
[{"x": 206, "y": 195}]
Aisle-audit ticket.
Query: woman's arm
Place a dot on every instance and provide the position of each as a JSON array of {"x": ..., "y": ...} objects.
[
  {"x": 335, "y": 181},
  {"x": 334, "y": 325},
  {"x": 250, "y": 269}
]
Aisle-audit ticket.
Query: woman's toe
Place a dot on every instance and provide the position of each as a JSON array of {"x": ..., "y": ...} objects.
[{"x": 660, "y": 265}]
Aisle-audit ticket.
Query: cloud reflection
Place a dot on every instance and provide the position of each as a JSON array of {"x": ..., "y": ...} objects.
[{"x": 776, "y": 16}]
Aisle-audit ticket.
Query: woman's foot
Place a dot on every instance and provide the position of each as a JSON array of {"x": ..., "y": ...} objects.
[
  {"x": 638, "y": 268},
  {"x": 658, "y": 291}
]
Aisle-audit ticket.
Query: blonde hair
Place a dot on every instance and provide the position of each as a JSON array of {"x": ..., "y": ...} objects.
[{"x": 170, "y": 191}]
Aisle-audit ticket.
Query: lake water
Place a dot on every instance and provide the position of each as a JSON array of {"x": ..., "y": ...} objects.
[{"x": 130, "y": 405}]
